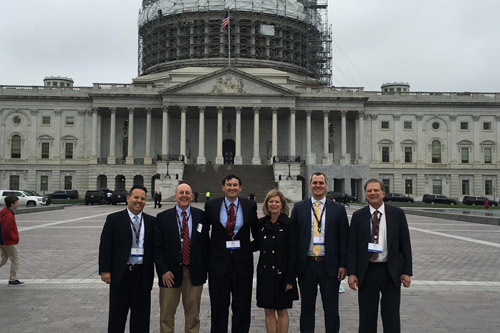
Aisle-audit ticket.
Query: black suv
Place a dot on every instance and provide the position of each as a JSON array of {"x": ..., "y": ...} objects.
[
  {"x": 342, "y": 197},
  {"x": 397, "y": 197},
  {"x": 469, "y": 200},
  {"x": 119, "y": 196},
  {"x": 95, "y": 196},
  {"x": 437, "y": 198},
  {"x": 65, "y": 194}
]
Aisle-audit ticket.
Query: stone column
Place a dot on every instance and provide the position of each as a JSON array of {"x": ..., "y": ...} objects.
[
  {"x": 256, "y": 154},
  {"x": 219, "y": 159},
  {"x": 81, "y": 134},
  {"x": 112, "y": 137},
  {"x": 476, "y": 149},
  {"x": 292, "y": 131},
  {"x": 398, "y": 149},
  {"x": 147, "y": 159},
  {"x": 326, "y": 157},
  {"x": 2, "y": 130},
  {"x": 183, "y": 132},
  {"x": 93, "y": 154},
  {"x": 497, "y": 149},
  {"x": 32, "y": 144},
  {"x": 375, "y": 158},
  {"x": 343, "y": 137},
  {"x": 453, "y": 149},
  {"x": 421, "y": 148},
  {"x": 164, "y": 132},
  {"x": 130, "y": 151},
  {"x": 308, "y": 132},
  {"x": 201, "y": 138},
  {"x": 275, "y": 133},
  {"x": 361, "y": 138},
  {"x": 237, "y": 154}
]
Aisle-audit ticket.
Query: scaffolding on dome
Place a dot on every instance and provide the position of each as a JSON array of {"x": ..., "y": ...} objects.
[{"x": 290, "y": 35}]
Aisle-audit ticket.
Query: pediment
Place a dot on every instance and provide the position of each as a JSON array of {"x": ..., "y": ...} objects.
[{"x": 230, "y": 82}]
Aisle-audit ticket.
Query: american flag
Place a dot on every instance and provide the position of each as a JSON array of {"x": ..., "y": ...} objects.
[{"x": 225, "y": 20}]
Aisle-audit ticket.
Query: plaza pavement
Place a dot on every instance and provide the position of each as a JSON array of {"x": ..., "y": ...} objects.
[{"x": 455, "y": 288}]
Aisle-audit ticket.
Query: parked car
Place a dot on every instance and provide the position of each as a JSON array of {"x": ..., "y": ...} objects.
[
  {"x": 95, "y": 196},
  {"x": 25, "y": 198},
  {"x": 342, "y": 197},
  {"x": 397, "y": 197},
  {"x": 65, "y": 194},
  {"x": 478, "y": 201},
  {"x": 437, "y": 198},
  {"x": 48, "y": 200},
  {"x": 119, "y": 196}
]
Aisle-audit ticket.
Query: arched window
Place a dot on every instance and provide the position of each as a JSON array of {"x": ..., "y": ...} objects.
[
  {"x": 15, "y": 147},
  {"x": 436, "y": 151}
]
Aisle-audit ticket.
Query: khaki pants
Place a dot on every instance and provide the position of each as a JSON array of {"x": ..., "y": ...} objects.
[
  {"x": 10, "y": 252},
  {"x": 191, "y": 298}
]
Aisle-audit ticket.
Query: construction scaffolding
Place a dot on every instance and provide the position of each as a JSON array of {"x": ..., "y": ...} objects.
[{"x": 289, "y": 35}]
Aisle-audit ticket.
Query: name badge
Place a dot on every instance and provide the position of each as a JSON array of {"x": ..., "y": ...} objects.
[
  {"x": 233, "y": 245},
  {"x": 137, "y": 252},
  {"x": 318, "y": 240},
  {"x": 199, "y": 227},
  {"x": 373, "y": 247}
]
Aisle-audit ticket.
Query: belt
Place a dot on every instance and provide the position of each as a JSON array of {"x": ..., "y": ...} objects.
[
  {"x": 316, "y": 258},
  {"x": 135, "y": 267}
]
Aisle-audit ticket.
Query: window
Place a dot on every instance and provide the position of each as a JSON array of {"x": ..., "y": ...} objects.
[
  {"x": 70, "y": 120},
  {"x": 488, "y": 187},
  {"x": 465, "y": 187},
  {"x": 68, "y": 182},
  {"x": 487, "y": 126},
  {"x": 68, "y": 151},
  {"x": 436, "y": 151},
  {"x": 15, "y": 148},
  {"x": 14, "y": 182},
  {"x": 408, "y": 186},
  {"x": 384, "y": 125},
  {"x": 407, "y": 125},
  {"x": 387, "y": 184},
  {"x": 464, "y": 125},
  {"x": 487, "y": 155},
  {"x": 45, "y": 149},
  {"x": 437, "y": 186},
  {"x": 464, "y": 152},
  {"x": 385, "y": 154},
  {"x": 408, "y": 155},
  {"x": 45, "y": 120},
  {"x": 435, "y": 125},
  {"x": 44, "y": 183}
]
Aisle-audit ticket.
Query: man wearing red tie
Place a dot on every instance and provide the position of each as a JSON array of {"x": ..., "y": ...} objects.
[
  {"x": 181, "y": 257},
  {"x": 231, "y": 257},
  {"x": 379, "y": 259}
]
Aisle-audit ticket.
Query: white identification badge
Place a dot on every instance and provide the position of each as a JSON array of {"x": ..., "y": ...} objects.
[
  {"x": 199, "y": 227},
  {"x": 233, "y": 245},
  {"x": 318, "y": 240},
  {"x": 373, "y": 247},
  {"x": 137, "y": 252}
]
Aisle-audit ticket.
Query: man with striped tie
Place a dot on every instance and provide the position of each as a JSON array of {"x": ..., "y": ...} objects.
[{"x": 181, "y": 257}]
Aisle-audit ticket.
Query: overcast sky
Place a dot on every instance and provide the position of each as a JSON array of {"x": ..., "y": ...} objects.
[{"x": 434, "y": 45}]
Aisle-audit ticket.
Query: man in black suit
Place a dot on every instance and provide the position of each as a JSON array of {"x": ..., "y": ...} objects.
[
  {"x": 322, "y": 244},
  {"x": 379, "y": 259},
  {"x": 126, "y": 263},
  {"x": 181, "y": 258},
  {"x": 231, "y": 257}
]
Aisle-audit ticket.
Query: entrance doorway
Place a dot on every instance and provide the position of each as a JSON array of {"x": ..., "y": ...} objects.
[{"x": 228, "y": 148}]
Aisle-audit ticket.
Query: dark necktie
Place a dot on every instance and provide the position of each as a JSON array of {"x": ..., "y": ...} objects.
[
  {"x": 186, "y": 242},
  {"x": 231, "y": 219},
  {"x": 375, "y": 228}
]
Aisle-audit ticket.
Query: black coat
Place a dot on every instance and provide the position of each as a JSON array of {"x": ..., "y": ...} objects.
[{"x": 277, "y": 262}]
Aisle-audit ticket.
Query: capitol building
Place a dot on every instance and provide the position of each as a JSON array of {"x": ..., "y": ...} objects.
[{"x": 254, "y": 94}]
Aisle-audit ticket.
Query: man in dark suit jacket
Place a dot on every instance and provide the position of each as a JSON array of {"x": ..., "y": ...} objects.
[
  {"x": 321, "y": 258},
  {"x": 126, "y": 262},
  {"x": 379, "y": 259},
  {"x": 231, "y": 257},
  {"x": 181, "y": 257}
]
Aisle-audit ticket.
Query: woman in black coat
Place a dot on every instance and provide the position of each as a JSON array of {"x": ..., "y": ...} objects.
[{"x": 276, "y": 286}]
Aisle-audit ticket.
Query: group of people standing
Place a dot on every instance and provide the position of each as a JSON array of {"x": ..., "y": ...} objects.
[{"x": 315, "y": 246}]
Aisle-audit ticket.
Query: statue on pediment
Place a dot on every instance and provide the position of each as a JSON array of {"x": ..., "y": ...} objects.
[{"x": 228, "y": 85}]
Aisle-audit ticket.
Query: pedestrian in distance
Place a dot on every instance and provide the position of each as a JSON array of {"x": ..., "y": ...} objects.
[
  {"x": 207, "y": 196},
  {"x": 8, "y": 249}
]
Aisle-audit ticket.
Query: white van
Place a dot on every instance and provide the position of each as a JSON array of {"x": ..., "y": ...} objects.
[{"x": 25, "y": 199}]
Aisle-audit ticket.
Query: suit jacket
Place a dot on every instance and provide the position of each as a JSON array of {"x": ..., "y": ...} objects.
[
  {"x": 220, "y": 257},
  {"x": 116, "y": 242},
  {"x": 399, "y": 257},
  {"x": 168, "y": 251},
  {"x": 336, "y": 234}
]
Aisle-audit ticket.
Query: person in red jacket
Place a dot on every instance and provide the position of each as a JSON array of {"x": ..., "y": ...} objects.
[{"x": 11, "y": 239}]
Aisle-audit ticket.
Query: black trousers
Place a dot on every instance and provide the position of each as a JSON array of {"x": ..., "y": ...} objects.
[
  {"x": 315, "y": 273},
  {"x": 221, "y": 289},
  {"x": 378, "y": 282},
  {"x": 129, "y": 294}
]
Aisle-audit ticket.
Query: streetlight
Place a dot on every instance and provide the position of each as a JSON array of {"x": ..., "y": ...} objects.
[
  {"x": 167, "y": 176},
  {"x": 289, "y": 176}
]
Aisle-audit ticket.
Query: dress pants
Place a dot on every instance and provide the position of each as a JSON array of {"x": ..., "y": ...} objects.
[
  {"x": 129, "y": 294},
  {"x": 220, "y": 290},
  {"x": 191, "y": 299},
  {"x": 315, "y": 273},
  {"x": 10, "y": 252},
  {"x": 378, "y": 281}
]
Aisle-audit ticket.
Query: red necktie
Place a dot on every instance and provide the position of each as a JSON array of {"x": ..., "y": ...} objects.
[
  {"x": 375, "y": 227},
  {"x": 186, "y": 243},
  {"x": 230, "y": 220}
]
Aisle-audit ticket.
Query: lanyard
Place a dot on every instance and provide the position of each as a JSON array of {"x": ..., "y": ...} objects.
[
  {"x": 179, "y": 222},
  {"x": 320, "y": 218},
  {"x": 137, "y": 232}
]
